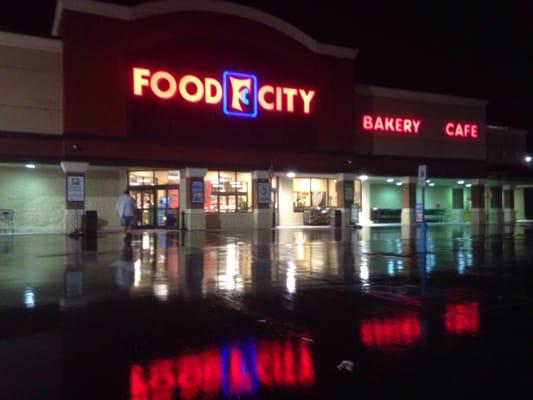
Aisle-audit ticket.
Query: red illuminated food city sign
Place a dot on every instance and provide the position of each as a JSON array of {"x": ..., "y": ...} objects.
[
  {"x": 409, "y": 125},
  {"x": 239, "y": 93}
]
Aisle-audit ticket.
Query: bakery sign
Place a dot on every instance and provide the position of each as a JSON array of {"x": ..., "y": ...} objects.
[{"x": 403, "y": 125}]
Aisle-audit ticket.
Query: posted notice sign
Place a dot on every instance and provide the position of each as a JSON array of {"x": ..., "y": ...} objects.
[{"x": 76, "y": 188}]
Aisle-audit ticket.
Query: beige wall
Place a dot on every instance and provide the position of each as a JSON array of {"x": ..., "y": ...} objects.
[
  {"x": 287, "y": 216},
  {"x": 103, "y": 188},
  {"x": 36, "y": 195},
  {"x": 30, "y": 84}
]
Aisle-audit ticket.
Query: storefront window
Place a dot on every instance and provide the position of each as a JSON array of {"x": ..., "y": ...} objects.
[
  {"x": 313, "y": 192},
  {"x": 319, "y": 192},
  {"x": 358, "y": 194},
  {"x": 141, "y": 178},
  {"x": 167, "y": 177},
  {"x": 228, "y": 191},
  {"x": 332, "y": 192},
  {"x": 153, "y": 178},
  {"x": 301, "y": 193}
]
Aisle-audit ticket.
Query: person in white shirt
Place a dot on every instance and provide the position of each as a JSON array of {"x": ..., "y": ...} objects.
[{"x": 126, "y": 211}]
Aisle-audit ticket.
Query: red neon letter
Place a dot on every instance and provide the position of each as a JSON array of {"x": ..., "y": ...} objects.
[
  {"x": 307, "y": 97},
  {"x": 474, "y": 131},
  {"x": 163, "y": 93},
  {"x": 388, "y": 124},
  {"x": 290, "y": 93},
  {"x": 367, "y": 122},
  {"x": 449, "y": 129},
  {"x": 459, "y": 130},
  {"x": 279, "y": 99},
  {"x": 398, "y": 124},
  {"x": 199, "y": 88},
  {"x": 139, "y": 80},
  {"x": 378, "y": 124},
  {"x": 407, "y": 125},
  {"x": 213, "y": 91},
  {"x": 416, "y": 124},
  {"x": 261, "y": 96}
]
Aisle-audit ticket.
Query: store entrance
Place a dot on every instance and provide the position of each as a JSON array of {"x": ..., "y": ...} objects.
[
  {"x": 157, "y": 207},
  {"x": 157, "y": 196}
]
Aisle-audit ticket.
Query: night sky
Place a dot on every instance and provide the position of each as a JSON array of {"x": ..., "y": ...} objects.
[{"x": 481, "y": 52}]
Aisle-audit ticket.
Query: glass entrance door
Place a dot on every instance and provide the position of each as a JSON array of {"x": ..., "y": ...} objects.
[
  {"x": 145, "y": 202},
  {"x": 168, "y": 203}
]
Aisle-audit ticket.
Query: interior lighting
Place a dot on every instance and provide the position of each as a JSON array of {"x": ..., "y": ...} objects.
[
  {"x": 432, "y": 184},
  {"x": 363, "y": 177},
  {"x": 291, "y": 174},
  {"x": 528, "y": 159},
  {"x": 461, "y": 182},
  {"x": 31, "y": 166},
  {"x": 390, "y": 180},
  {"x": 398, "y": 184}
]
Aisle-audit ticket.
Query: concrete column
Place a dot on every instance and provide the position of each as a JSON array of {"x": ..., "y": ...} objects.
[
  {"x": 509, "y": 214},
  {"x": 345, "y": 195},
  {"x": 408, "y": 200},
  {"x": 496, "y": 210},
  {"x": 519, "y": 205},
  {"x": 364, "y": 214},
  {"x": 458, "y": 205},
  {"x": 192, "y": 193},
  {"x": 477, "y": 191},
  {"x": 74, "y": 209},
  {"x": 262, "y": 206}
]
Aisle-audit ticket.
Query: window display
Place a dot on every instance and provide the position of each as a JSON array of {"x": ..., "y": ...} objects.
[
  {"x": 153, "y": 178},
  {"x": 313, "y": 193},
  {"x": 301, "y": 192},
  {"x": 227, "y": 191}
]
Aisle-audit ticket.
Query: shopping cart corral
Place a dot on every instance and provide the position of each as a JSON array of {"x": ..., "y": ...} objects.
[{"x": 7, "y": 218}]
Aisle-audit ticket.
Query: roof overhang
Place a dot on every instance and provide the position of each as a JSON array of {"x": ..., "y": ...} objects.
[{"x": 151, "y": 9}]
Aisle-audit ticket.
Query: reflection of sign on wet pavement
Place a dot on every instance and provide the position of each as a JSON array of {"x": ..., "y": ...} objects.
[{"x": 233, "y": 370}]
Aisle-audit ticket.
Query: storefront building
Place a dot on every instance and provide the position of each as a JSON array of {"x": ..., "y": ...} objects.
[{"x": 219, "y": 116}]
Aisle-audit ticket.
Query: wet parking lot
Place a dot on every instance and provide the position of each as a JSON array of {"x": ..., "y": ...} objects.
[{"x": 288, "y": 313}]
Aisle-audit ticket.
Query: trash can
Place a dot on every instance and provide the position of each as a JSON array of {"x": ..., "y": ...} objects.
[{"x": 90, "y": 222}]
